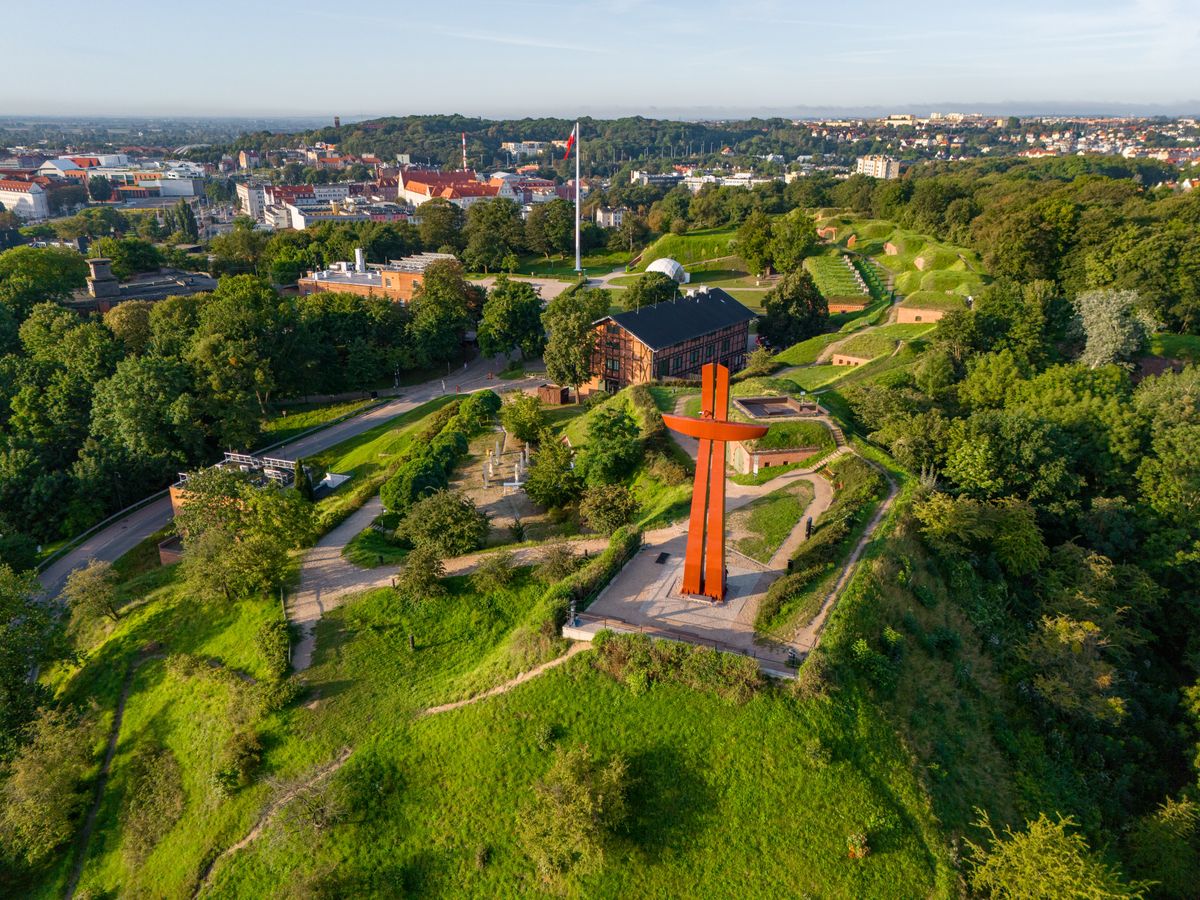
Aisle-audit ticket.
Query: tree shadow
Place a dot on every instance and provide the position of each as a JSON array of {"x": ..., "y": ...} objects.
[{"x": 667, "y": 799}]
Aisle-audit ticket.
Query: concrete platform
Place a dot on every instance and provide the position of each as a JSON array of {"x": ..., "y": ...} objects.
[{"x": 645, "y": 597}]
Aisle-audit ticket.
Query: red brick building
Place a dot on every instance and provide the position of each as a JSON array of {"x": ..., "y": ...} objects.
[{"x": 671, "y": 340}]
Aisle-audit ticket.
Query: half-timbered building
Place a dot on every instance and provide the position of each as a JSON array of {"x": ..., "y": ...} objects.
[{"x": 671, "y": 340}]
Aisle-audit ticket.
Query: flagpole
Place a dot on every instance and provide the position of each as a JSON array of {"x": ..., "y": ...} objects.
[{"x": 578, "y": 267}]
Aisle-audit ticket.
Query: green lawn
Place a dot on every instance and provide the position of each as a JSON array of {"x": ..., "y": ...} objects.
[
  {"x": 593, "y": 264},
  {"x": 933, "y": 300},
  {"x": 289, "y": 421},
  {"x": 785, "y": 435},
  {"x": 369, "y": 549},
  {"x": 868, "y": 345},
  {"x": 693, "y": 247},
  {"x": 725, "y": 800},
  {"x": 806, "y": 352},
  {"x": 769, "y": 520},
  {"x": 1176, "y": 346},
  {"x": 834, "y": 277}
]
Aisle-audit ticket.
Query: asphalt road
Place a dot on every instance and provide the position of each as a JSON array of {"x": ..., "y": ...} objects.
[{"x": 120, "y": 537}]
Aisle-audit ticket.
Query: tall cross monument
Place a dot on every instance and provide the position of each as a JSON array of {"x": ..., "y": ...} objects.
[{"x": 704, "y": 565}]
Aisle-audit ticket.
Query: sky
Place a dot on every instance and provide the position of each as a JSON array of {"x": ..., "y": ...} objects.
[{"x": 604, "y": 58}]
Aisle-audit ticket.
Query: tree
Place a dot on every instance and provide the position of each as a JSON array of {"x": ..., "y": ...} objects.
[
  {"x": 651, "y": 288},
  {"x": 440, "y": 313},
  {"x": 494, "y": 229},
  {"x": 100, "y": 188},
  {"x": 441, "y": 225},
  {"x": 795, "y": 310},
  {"x": 130, "y": 324},
  {"x": 185, "y": 221},
  {"x": 32, "y": 275},
  {"x": 570, "y": 342},
  {"x": 551, "y": 481},
  {"x": 1114, "y": 326},
  {"x": 129, "y": 255},
  {"x": 630, "y": 234},
  {"x": 550, "y": 227},
  {"x": 45, "y": 789},
  {"x": 754, "y": 243},
  {"x": 91, "y": 591},
  {"x": 606, "y": 507},
  {"x": 522, "y": 417},
  {"x": 1046, "y": 861},
  {"x": 447, "y": 521},
  {"x": 613, "y": 446},
  {"x": 421, "y": 575},
  {"x": 575, "y": 809},
  {"x": 29, "y": 637},
  {"x": 793, "y": 237},
  {"x": 511, "y": 320}
]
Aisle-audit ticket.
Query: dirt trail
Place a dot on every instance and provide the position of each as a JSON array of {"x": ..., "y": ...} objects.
[{"x": 324, "y": 772}]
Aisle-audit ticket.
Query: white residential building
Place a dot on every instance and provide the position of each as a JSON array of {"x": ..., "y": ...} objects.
[
  {"x": 25, "y": 198},
  {"x": 878, "y": 166},
  {"x": 251, "y": 199}
]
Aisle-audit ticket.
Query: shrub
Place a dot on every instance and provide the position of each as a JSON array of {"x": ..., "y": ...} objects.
[
  {"x": 421, "y": 576},
  {"x": 569, "y": 823},
  {"x": 154, "y": 801},
  {"x": 240, "y": 757},
  {"x": 274, "y": 645},
  {"x": 558, "y": 560},
  {"x": 638, "y": 662},
  {"x": 446, "y": 521},
  {"x": 666, "y": 470},
  {"x": 816, "y": 679},
  {"x": 276, "y": 694},
  {"x": 495, "y": 572},
  {"x": 606, "y": 507}
]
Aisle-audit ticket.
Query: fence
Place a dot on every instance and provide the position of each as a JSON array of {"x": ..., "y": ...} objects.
[{"x": 764, "y": 654}]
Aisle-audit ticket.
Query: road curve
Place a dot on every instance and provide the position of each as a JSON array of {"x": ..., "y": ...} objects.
[{"x": 113, "y": 542}]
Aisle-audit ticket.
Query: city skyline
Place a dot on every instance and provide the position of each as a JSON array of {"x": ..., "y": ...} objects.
[{"x": 713, "y": 58}]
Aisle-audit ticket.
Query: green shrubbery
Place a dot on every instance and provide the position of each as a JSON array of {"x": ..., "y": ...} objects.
[
  {"x": 154, "y": 800},
  {"x": 859, "y": 485},
  {"x": 639, "y": 662},
  {"x": 440, "y": 447}
]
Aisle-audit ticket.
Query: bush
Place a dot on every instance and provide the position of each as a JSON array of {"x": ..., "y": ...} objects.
[
  {"x": 606, "y": 507},
  {"x": 569, "y": 823},
  {"x": 154, "y": 801},
  {"x": 558, "y": 560},
  {"x": 638, "y": 662},
  {"x": 495, "y": 572},
  {"x": 447, "y": 521},
  {"x": 240, "y": 757},
  {"x": 422, "y": 573},
  {"x": 276, "y": 694},
  {"x": 274, "y": 645},
  {"x": 662, "y": 468}
]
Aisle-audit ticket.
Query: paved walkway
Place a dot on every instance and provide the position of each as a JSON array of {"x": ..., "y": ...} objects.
[
  {"x": 327, "y": 578},
  {"x": 113, "y": 542}
]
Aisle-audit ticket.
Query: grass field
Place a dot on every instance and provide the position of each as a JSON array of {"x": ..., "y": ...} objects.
[
  {"x": 784, "y": 435},
  {"x": 448, "y": 826},
  {"x": 868, "y": 345},
  {"x": 593, "y": 264},
  {"x": 806, "y": 352},
  {"x": 289, "y": 421},
  {"x": 690, "y": 248},
  {"x": 1175, "y": 346},
  {"x": 833, "y": 277},
  {"x": 934, "y": 300},
  {"x": 769, "y": 520}
]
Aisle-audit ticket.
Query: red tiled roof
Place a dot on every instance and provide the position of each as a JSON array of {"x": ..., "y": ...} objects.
[{"x": 15, "y": 184}]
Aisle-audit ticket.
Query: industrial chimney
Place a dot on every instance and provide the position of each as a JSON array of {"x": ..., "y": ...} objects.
[{"x": 360, "y": 260}]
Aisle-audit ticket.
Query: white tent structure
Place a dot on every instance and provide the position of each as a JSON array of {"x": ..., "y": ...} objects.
[{"x": 670, "y": 268}]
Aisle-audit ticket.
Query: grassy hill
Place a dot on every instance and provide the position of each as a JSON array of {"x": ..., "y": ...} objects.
[{"x": 693, "y": 247}]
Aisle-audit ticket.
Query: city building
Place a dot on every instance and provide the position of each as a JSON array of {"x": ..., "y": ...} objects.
[
  {"x": 26, "y": 199},
  {"x": 878, "y": 166},
  {"x": 251, "y": 199},
  {"x": 524, "y": 148},
  {"x": 104, "y": 291},
  {"x": 248, "y": 159},
  {"x": 670, "y": 340},
  {"x": 398, "y": 279},
  {"x": 607, "y": 217}
]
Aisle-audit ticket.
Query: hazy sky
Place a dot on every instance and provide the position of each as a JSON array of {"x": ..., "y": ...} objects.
[{"x": 527, "y": 57}]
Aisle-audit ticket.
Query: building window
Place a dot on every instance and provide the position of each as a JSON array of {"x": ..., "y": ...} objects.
[
  {"x": 660, "y": 368},
  {"x": 695, "y": 356},
  {"x": 725, "y": 345},
  {"x": 916, "y": 318},
  {"x": 613, "y": 345},
  {"x": 709, "y": 349},
  {"x": 613, "y": 365},
  {"x": 613, "y": 328}
]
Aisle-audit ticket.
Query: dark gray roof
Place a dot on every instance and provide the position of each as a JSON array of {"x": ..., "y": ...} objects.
[{"x": 675, "y": 321}]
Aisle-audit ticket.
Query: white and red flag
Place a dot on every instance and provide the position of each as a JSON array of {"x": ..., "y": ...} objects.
[{"x": 570, "y": 142}]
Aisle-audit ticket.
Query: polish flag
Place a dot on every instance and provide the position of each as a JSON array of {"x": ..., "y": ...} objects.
[{"x": 570, "y": 144}]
